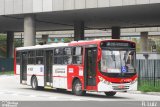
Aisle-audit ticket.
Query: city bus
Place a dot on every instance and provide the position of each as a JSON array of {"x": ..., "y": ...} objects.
[{"x": 107, "y": 66}]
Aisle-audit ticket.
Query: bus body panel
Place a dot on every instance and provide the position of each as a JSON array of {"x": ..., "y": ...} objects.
[
  {"x": 105, "y": 83},
  {"x": 35, "y": 70},
  {"x": 75, "y": 71},
  {"x": 17, "y": 70},
  {"x": 60, "y": 76}
]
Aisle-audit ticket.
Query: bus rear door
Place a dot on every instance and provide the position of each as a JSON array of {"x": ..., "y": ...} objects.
[{"x": 48, "y": 67}]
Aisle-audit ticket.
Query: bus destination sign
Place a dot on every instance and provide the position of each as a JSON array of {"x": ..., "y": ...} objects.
[{"x": 117, "y": 44}]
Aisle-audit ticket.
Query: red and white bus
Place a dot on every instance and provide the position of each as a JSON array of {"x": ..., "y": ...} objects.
[{"x": 107, "y": 66}]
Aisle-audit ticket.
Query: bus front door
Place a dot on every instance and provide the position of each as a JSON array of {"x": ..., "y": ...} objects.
[
  {"x": 90, "y": 66},
  {"x": 23, "y": 67},
  {"x": 48, "y": 67}
]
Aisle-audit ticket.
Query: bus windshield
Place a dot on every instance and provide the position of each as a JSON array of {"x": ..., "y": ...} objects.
[{"x": 118, "y": 61}]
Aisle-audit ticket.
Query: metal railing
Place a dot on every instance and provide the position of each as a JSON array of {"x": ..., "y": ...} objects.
[{"x": 148, "y": 72}]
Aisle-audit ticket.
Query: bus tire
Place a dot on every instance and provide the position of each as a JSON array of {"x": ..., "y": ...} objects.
[
  {"x": 34, "y": 83},
  {"x": 110, "y": 93},
  {"x": 77, "y": 88}
]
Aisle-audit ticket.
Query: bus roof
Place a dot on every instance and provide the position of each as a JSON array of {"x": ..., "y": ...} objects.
[
  {"x": 96, "y": 41},
  {"x": 42, "y": 46}
]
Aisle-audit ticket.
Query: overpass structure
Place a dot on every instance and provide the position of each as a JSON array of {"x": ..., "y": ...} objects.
[{"x": 29, "y": 16}]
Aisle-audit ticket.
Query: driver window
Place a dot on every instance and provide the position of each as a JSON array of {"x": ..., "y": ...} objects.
[{"x": 130, "y": 59}]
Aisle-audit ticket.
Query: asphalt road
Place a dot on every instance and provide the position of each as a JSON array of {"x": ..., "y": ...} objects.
[{"x": 11, "y": 90}]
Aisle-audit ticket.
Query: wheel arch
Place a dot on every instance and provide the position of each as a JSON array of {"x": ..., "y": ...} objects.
[
  {"x": 82, "y": 91},
  {"x": 74, "y": 79}
]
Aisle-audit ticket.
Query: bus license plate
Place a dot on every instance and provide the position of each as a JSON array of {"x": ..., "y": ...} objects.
[{"x": 121, "y": 86}]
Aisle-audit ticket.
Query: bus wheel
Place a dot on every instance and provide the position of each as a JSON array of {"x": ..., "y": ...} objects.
[
  {"x": 34, "y": 83},
  {"x": 77, "y": 88},
  {"x": 110, "y": 93}
]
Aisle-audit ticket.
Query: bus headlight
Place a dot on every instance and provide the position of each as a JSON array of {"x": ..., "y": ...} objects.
[
  {"x": 134, "y": 81},
  {"x": 103, "y": 80}
]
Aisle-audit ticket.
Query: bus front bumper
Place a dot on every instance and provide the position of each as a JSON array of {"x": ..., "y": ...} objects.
[{"x": 105, "y": 87}]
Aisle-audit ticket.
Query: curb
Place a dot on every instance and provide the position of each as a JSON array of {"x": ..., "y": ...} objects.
[
  {"x": 140, "y": 92},
  {"x": 6, "y": 75}
]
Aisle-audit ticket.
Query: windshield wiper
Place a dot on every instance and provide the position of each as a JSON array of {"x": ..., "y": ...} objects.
[{"x": 113, "y": 56}]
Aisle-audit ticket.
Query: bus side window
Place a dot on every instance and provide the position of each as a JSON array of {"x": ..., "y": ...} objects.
[
  {"x": 58, "y": 56},
  {"x": 31, "y": 57},
  {"x": 77, "y": 55},
  {"x": 67, "y": 58},
  {"x": 39, "y": 57}
]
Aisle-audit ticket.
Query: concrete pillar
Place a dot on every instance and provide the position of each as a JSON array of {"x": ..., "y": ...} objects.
[
  {"x": 144, "y": 42},
  {"x": 79, "y": 30},
  {"x": 45, "y": 38},
  {"x": 10, "y": 44},
  {"x": 29, "y": 30},
  {"x": 116, "y": 32}
]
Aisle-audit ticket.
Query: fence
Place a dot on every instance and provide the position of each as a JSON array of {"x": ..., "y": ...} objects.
[{"x": 148, "y": 72}]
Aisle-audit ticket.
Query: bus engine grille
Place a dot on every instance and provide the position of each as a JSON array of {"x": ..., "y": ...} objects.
[{"x": 120, "y": 87}]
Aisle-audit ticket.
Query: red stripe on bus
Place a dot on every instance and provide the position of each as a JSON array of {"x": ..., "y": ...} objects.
[{"x": 44, "y": 75}]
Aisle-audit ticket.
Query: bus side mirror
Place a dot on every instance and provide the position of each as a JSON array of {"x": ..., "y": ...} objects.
[{"x": 146, "y": 55}]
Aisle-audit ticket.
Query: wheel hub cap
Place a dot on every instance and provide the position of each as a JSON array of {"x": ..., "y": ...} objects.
[{"x": 78, "y": 87}]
